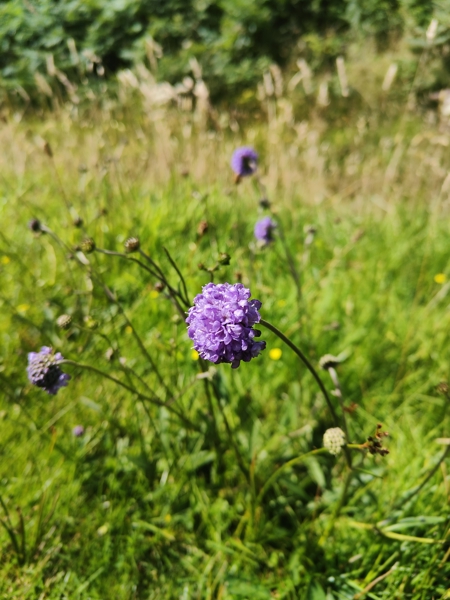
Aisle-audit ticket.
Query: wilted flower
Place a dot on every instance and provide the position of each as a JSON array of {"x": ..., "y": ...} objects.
[
  {"x": 334, "y": 440},
  {"x": 244, "y": 161},
  {"x": 264, "y": 230},
  {"x": 221, "y": 324},
  {"x": 44, "y": 371},
  {"x": 78, "y": 430}
]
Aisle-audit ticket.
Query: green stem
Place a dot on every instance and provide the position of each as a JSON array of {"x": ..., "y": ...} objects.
[
  {"x": 287, "y": 465},
  {"x": 307, "y": 364},
  {"x": 153, "y": 400}
]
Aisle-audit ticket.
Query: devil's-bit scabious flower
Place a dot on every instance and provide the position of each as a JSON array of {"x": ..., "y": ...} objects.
[
  {"x": 334, "y": 440},
  {"x": 44, "y": 371},
  {"x": 78, "y": 430},
  {"x": 221, "y": 324},
  {"x": 264, "y": 230},
  {"x": 244, "y": 161}
]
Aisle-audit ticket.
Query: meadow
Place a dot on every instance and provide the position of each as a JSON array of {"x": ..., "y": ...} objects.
[{"x": 154, "y": 474}]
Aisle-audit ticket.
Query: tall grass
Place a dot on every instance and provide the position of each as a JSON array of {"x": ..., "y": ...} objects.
[{"x": 143, "y": 506}]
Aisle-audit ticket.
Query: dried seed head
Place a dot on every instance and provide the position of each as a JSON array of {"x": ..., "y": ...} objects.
[
  {"x": 78, "y": 221},
  {"x": 159, "y": 286},
  {"x": 264, "y": 203},
  {"x": 87, "y": 246},
  {"x": 132, "y": 245},
  {"x": 334, "y": 440},
  {"x": 64, "y": 321},
  {"x": 443, "y": 388},
  {"x": 328, "y": 361},
  {"x": 202, "y": 228}
]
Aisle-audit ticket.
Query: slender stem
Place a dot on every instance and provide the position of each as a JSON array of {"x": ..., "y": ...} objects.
[
  {"x": 338, "y": 393},
  {"x": 233, "y": 443},
  {"x": 307, "y": 364},
  {"x": 284, "y": 467},
  {"x": 314, "y": 373},
  {"x": 180, "y": 275},
  {"x": 430, "y": 474},
  {"x": 153, "y": 400},
  {"x": 339, "y": 506}
]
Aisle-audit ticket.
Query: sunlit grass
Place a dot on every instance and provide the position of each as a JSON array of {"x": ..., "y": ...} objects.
[{"x": 141, "y": 507}]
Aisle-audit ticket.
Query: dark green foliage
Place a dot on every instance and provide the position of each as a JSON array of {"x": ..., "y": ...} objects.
[{"x": 233, "y": 40}]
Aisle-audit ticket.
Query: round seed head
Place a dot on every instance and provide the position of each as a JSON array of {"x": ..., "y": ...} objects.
[
  {"x": 64, "y": 321},
  {"x": 334, "y": 440}
]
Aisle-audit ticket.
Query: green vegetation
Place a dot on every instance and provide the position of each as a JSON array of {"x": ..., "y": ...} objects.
[
  {"x": 67, "y": 44},
  {"x": 226, "y": 492}
]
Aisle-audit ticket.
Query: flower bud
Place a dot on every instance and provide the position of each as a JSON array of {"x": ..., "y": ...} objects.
[
  {"x": 132, "y": 245},
  {"x": 224, "y": 258},
  {"x": 87, "y": 246},
  {"x": 35, "y": 225},
  {"x": 64, "y": 321}
]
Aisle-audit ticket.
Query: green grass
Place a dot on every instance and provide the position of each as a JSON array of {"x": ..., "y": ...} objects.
[{"x": 142, "y": 506}]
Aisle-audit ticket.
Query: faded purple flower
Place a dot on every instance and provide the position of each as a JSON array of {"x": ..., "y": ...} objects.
[
  {"x": 221, "y": 324},
  {"x": 244, "y": 161},
  {"x": 264, "y": 230},
  {"x": 78, "y": 430},
  {"x": 44, "y": 371}
]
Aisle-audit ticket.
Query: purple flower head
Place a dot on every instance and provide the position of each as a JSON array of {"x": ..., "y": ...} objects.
[
  {"x": 244, "y": 161},
  {"x": 221, "y": 324},
  {"x": 264, "y": 230},
  {"x": 43, "y": 370},
  {"x": 78, "y": 430}
]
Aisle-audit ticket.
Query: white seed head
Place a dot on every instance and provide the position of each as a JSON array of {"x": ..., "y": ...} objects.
[{"x": 333, "y": 440}]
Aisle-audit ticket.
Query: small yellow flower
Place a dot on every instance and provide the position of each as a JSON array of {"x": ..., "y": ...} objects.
[
  {"x": 5, "y": 260},
  {"x": 153, "y": 294},
  {"x": 195, "y": 355},
  {"x": 281, "y": 303},
  {"x": 440, "y": 278},
  {"x": 23, "y": 307},
  {"x": 168, "y": 518},
  {"x": 275, "y": 353},
  {"x": 128, "y": 329}
]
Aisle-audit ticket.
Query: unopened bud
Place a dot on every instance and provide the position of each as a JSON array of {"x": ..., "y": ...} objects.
[
  {"x": 64, "y": 321},
  {"x": 202, "y": 228},
  {"x": 87, "y": 246},
  {"x": 35, "y": 225},
  {"x": 132, "y": 245},
  {"x": 224, "y": 258},
  {"x": 90, "y": 322}
]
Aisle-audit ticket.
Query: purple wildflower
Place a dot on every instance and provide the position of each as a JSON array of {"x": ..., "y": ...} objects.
[
  {"x": 78, "y": 430},
  {"x": 244, "y": 161},
  {"x": 264, "y": 230},
  {"x": 43, "y": 370},
  {"x": 221, "y": 324}
]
